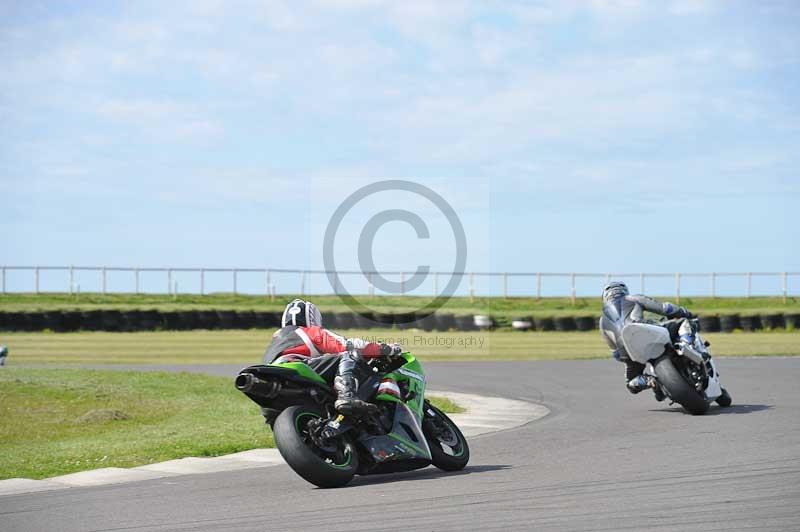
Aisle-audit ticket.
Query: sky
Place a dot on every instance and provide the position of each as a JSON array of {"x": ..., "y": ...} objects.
[{"x": 593, "y": 136}]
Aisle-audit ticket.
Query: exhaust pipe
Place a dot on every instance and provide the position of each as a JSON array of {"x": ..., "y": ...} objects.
[{"x": 249, "y": 383}]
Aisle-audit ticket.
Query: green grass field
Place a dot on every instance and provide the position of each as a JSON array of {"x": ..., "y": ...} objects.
[
  {"x": 497, "y": 306},
  {"x": 54, "y": 422},
  {"x": 247, "y": 347}
]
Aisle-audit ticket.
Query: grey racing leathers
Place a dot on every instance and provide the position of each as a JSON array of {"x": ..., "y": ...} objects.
[{"x": 623, "y": 309}]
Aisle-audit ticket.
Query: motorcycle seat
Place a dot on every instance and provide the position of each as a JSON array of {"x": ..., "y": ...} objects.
[{"x": 326, "y": 366}]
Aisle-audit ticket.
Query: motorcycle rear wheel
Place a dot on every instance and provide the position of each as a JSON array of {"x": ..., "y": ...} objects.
[
  {"x": 678, "y": 388},
  {"x": 321, "y": 467}
]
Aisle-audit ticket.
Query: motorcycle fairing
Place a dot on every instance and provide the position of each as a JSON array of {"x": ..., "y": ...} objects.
[{"x": 644, "y": 342}]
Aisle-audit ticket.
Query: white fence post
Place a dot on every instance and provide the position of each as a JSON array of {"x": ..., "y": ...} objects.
[
  {"x": 302, "y": 283},
  {"x": 104, "y": 280},
  {"x": 713, "y": 285},
  {"x": 136, "y": 279},
  {"x": 71, "y": 279},
  {"x": 4, "y": 279},
  {"x": 235, "y": 279},
  {"x": 505, "y": 286},
  {"x": 202, "y": 281},
  {"x": 169, "y": 281},
  {"x": 572, "y": 295},
  {"x": 36, "y": 275},
  {"x": 641, "y": 283},
  {"x": 749, "y": 283},
  {"x": 785, "y": 287},
  {"x": 269, "y": 281},
  {"x": 538, "y": 286},
  {"x": 436, "y": 284},
  {"x": 471, "y": 287},
  {"x": 370, "y": 286},
  {"x": 678, "y": 288}
]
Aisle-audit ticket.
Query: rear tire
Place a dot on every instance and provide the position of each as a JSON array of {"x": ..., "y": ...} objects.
[
  {"x": 449, "y": 448},
  {"x": 678, "y": 388},
  {"x": 724, "y": 399},
  {"x": 321, "y": 468}
]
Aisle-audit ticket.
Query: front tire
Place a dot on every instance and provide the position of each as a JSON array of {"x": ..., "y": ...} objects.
[
  {"x": 678, "y": 388},
  {"x": 325, "y": 468},
  {"x": 449, "y": 448},
  {"x": 724, "y": 399}
]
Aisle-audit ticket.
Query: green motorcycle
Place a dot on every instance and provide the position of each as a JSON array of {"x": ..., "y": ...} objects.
[{"x": 405, "y": 432}]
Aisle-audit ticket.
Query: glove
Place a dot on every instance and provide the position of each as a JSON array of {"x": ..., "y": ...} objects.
[
  {"x": 680, "y": 312},
  {"x": 391, "y": 350}
]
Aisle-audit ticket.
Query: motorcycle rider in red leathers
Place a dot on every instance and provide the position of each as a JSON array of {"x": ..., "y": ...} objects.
[{"x": 301, "y": 335}]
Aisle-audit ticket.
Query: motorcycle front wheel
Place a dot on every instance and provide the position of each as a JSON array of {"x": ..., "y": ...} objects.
[
  {"x": 331, "y": 466},
  {"x": 678, "y": 387},
  {"x": 449, "y": 449}
]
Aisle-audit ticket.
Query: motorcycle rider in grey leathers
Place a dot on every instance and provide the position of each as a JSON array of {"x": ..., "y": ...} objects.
[{"x": 620, "y": 308}]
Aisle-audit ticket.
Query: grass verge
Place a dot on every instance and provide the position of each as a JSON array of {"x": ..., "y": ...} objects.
[
  {"x": 246, "y": 347},
  {"x": 54, "y": 422}
]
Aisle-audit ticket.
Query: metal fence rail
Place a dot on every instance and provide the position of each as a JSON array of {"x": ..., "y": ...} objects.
[{"x": 274, "y": 281}]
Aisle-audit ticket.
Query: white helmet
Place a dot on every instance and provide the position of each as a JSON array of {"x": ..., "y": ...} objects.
[{"x": 301, "y": 313}]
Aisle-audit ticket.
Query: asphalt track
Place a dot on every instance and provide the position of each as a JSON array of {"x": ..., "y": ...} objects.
[{"x": 602, "y": 460}]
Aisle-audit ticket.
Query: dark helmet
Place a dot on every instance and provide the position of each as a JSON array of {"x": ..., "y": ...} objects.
[
  {"x": 301, "y": 313},
  {"x": 613, "y": 291}
]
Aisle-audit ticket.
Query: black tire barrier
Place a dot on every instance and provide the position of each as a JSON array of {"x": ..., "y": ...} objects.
[
  {"x": 71, "y": 321},
  {"x": 405, "y": 320},
  {"x": 773, "y": 321},
  {"x": 750, "y": 323},
  {"x": 383, "y": 320},
  {"x": 245, "y": 319},
  {"x": 187, "y": 320},
  {"x": 586, "y": 323},
  {"x": 132, "y": 321},
  {"x": 444, "y": 322},
  {"x": 709, "y": 323},
  {"x": 345, "y": 320},
  {"x": 14, "y": 321},
  {"x": 152, "y": 320},
  {"x": 465, "y": 323},
  {"x": 53, "y": 321},
  {"x": 92, "y": 320},
  {"x": 427, "y": 323},
  {"x": 171, "y": 320},
  {"x": 226, "y": 319},
  {"x": 729, "y": 323},
  {"x": 565, "y": 324},
  {"x": 111, "y": 320},
  {"x": 524, "y": 323},
  {"x": 268, "y": 320},
  {"x": 364, "y": 321},
  {"x": 792, "y": 321},
  {"x": 149, "y": 320},
  {"x": 34, "y": 321},
  {"x": 330, "y": 321}
]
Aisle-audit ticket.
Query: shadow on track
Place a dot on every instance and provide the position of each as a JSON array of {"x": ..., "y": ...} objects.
[
  {"x": 428, "y": 473},
  {"x": 718, "y": 410}
]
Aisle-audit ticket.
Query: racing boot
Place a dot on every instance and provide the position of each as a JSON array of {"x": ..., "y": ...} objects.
[
  {"x": 347, "y": 403},
  {"x": 640, "y": 382},
  {"x": 3, "y": 355}
]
